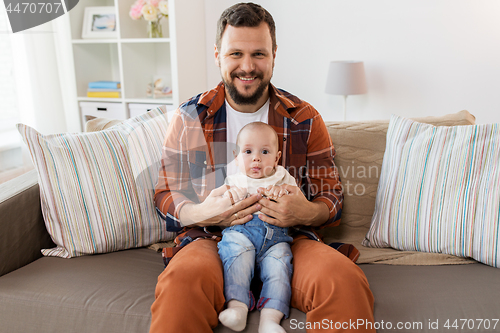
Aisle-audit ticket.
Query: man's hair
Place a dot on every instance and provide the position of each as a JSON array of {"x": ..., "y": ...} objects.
[
  {"x": 245, "y": 15},
  {"x": 257, "y": 124}
]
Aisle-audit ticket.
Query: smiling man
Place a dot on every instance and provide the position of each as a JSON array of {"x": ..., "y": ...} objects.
[
  {"x": 189, "y": 196},
  {"x": 246, "y": 61}
]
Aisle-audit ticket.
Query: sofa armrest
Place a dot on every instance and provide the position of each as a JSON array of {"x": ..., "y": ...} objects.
[{"x": 22, "y": 229}]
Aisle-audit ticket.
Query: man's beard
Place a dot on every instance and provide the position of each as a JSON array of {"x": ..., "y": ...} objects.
[{"x": 246, "y": 100}]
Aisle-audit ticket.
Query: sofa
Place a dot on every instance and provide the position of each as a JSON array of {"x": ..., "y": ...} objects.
[{"x": 113, "y": 292}]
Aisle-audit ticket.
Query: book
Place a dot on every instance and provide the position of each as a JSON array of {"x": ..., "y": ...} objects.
[
  {"x": 97, "y": 89},
  {"x": 103, "y": 94},
  {"x": 104, "y": 85}
]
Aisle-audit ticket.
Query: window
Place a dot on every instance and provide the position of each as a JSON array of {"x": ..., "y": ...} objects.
[
  {"x": 8, "y": 106},
  {"x": 13, "y": 161}
]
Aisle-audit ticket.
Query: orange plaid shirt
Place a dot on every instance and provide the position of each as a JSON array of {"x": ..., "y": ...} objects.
[{"x": 195, "y": 153}]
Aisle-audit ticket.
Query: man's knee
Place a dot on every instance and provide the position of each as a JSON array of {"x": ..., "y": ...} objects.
[
  {"x": 325, "y": 265},
  {"x": 197, "y": 264}
]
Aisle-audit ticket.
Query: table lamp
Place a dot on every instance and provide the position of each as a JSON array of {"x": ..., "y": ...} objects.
[{"x": 346, "y": 78}]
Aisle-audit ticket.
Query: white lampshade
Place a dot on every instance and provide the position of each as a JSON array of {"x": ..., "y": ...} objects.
[{"x": 346, "y": 78}]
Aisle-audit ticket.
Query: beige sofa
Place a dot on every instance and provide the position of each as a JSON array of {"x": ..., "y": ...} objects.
[{"x": 113, "y": 292}]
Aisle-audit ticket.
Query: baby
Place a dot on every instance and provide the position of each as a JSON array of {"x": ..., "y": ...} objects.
[{"x": 256, "y": 244}]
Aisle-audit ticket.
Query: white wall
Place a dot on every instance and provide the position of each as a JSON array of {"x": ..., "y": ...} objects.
[{"x": 422, "y": 57}]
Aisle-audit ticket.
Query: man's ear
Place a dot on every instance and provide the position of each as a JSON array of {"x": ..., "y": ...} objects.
[
  {"x": 216, "y": 55},
  {"x": 274, "y": 54},
  {"x": 278, "y": 155}
]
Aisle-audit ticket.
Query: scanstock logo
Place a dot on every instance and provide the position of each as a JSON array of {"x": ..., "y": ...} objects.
[{"x": 28, "y": 14}]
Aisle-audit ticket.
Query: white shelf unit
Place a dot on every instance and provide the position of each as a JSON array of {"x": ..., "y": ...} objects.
[{"x": 133, "y": 59}]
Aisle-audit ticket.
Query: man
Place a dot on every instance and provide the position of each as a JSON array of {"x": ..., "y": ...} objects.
[{"x": 325, "y": 283}]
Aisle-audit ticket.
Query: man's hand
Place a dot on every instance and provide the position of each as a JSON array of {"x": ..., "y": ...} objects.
[
  {"x": 291, "y": 209},
  {"x": 217, "y": 209}
]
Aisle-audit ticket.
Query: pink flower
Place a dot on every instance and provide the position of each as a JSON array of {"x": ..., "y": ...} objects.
[
  {"x": 150, "y": 10},
  {"x": 136, "y": 10}
]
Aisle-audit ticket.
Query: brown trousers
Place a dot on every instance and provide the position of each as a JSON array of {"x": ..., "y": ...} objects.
[{"x": 326, "y": 285}]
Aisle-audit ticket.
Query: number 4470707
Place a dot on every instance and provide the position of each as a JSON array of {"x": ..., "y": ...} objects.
[
  {"x": 471, "y": 324},
  {"x": 31, "y": 7}
]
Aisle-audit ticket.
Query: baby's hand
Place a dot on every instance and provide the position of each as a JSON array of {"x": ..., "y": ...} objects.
[
  {"x": 235, "y": 194},
  {"x": 274, "y": 192}
]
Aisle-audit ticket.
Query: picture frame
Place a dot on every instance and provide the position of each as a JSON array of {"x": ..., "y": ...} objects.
[{"x": 99, "y": 22}]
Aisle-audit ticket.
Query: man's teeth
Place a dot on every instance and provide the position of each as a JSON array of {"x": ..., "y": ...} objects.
[{"x": 246, "y": 78}]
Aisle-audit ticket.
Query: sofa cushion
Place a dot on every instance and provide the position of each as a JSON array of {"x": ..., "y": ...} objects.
[
  {"x": 95, "y": 124},
  {"x": 360, "y": 150},
  {"x": 110, "y": 293},
  {"x": 438, "y": 191},
  {"x": 426, "y": 294},
  {"x": 97, "y": 188},
  {"x": 103, "y": 293}
]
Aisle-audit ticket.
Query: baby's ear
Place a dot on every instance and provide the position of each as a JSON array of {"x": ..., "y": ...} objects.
[
  {"x": 278, "y": 155},
  {"x": 235, "y": 154}
]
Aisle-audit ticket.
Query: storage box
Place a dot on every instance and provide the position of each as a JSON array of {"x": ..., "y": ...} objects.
[
  {"x": 103, "y": 110},
  {"x": 136, "y": 109}
]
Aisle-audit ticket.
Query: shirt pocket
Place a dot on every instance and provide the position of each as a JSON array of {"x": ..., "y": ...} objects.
[{"x": 197, "y": 162}]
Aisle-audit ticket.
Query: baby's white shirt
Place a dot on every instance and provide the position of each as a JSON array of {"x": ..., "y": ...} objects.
[{"x": 280, "y": 177}]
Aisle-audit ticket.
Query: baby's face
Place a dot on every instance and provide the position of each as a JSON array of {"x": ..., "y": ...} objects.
[{"x": 258, "y": 152}]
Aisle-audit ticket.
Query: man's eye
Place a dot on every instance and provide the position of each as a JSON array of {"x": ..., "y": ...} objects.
[{"x": 236, "y": 54}]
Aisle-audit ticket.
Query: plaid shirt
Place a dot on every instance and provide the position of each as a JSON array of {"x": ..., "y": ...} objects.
[{"x": 195, "y": 153}]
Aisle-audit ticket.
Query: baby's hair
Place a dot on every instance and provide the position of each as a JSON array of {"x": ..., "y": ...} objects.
[{"x": 257, "y": 124}]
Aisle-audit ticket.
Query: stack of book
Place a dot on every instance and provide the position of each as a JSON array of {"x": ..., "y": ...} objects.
[{"x": 104, "y": 89}]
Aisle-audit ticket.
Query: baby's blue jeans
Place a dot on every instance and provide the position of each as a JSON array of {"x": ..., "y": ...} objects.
[{"x": 266, "y": 246}]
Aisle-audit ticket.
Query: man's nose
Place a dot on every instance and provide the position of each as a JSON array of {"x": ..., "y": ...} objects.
[{"x": 247, "y": 64}]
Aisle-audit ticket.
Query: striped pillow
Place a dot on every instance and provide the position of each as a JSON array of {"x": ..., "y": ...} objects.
[
  {"x": 97, "y": 188},
  {"x": 439, "y": 191}
]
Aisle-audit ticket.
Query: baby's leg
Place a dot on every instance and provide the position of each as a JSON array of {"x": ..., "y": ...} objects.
[
  {"x": 275, "y": 273},
  {"x": 238, "y": 257}
]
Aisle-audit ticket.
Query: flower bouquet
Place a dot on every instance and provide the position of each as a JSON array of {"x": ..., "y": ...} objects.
[{"x": 152, "y": 11}]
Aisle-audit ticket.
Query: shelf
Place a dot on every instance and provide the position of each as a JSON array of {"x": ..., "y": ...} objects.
[
  {"x": 94, "y": 41},
  {"x": 144, "y": 64},
  {"x": 133, "y": 59},
  {"x": 145, "y": 40},
  {"x": 95, "y": 99},
  {"x": 130, "y": 28},
  {"x": 95, "y": 62},
  {"x": 123, "y": 40},
  {"x": 145, "y": 100},
  {"x": 167, "y": 100},
  {"x": 77, "y": 13}
]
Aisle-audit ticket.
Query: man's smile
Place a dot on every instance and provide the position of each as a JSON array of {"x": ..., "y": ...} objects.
[{"x": 246, "y": 78}]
